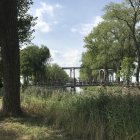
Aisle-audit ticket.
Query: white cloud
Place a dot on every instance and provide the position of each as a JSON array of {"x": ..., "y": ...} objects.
[
  {"x": 69, "y": 58},
  {"x": 43, "y": 26},
  {"x": 46, "y": 9},
  {"x": 58, "y": 5},
  {"x": 41, "y": 11},
  {"x": 66, "y": 58},
  {"x": 74, "y": 30},
  {"x": 85, "y": 29},
  {"x": 55, "y": 22}
]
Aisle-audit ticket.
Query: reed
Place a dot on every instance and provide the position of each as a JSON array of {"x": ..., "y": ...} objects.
[{"x": 112, "y": 114}]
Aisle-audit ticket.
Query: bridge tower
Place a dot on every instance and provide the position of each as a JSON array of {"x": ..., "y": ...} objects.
[{"x": 72, "y": 75}]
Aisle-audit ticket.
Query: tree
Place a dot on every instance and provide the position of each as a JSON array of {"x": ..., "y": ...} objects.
[
  {"x": 129, "y": 14},
  {"x": 86, "y": 72},
  {"x": 100, "y": 44},
  {"x": 55, "y": 75},
  {"x": 107, "y": 45},
  {"x": 126, "y": 69},
  {"x": 0, "y": 67},
  {"x": 26, "y": 21},
  {"x": 33, "y": 61},
  {"x": 9, "y": 43},
  {"x": 113, "y": 40},
  {"x": 1, "y": 85},
  {"x": 25, "y": 24}
]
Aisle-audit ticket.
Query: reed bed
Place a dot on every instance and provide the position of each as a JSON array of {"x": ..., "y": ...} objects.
[{"x": 100, "y": 114}]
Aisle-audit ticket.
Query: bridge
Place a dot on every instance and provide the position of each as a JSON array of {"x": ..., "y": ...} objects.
[
  {"x": 74, "y": 82},
  {"x": 100, "y": 82},
  {"x": 87, "y": 84}
]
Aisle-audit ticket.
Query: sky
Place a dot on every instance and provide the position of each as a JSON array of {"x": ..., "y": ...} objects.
[{"x": 63, "y": 24}]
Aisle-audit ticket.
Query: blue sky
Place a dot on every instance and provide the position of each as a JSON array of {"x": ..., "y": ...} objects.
[{"x": 63, "y": 24}]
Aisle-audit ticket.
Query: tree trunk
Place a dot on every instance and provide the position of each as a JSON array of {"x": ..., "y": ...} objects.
[
  {"x": 138, "y": 69},
  {"x": 10, "y": 56}
]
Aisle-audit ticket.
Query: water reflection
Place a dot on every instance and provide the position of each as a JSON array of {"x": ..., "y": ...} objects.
[{"x": 77, "y": 89}]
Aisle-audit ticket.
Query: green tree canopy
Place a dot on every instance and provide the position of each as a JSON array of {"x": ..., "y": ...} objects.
[
  {"x": 110, "y": 42},
  {"x": 33, "y": 60},
  {"x": 26, "y": 21},
  {"x": 54, "y": 73},
  {"x": 127, "y": 13}
]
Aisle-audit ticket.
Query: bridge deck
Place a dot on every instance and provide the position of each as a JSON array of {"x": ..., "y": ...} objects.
[
  {"x": 72, "y": 85},
  {"x": 90, "y": 84}
]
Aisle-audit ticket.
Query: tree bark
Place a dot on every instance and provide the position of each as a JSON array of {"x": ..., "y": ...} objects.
[
  {"x": 10, "y": 55},
  {"x": 138, "y": 69}
]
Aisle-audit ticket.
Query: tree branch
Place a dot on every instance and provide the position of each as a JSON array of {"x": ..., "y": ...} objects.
[
  {"x": 125, "y": 22},
  {"x": 131, "y": 3}
]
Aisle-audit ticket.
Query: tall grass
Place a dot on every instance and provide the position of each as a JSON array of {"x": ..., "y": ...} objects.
[{"x": 104, "y": 114}]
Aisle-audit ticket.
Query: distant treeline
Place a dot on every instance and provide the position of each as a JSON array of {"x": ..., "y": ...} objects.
[{"x": 36, "y": 68}]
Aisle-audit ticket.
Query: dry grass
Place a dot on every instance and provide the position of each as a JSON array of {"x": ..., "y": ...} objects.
[{"x": 28, "y": 128}]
